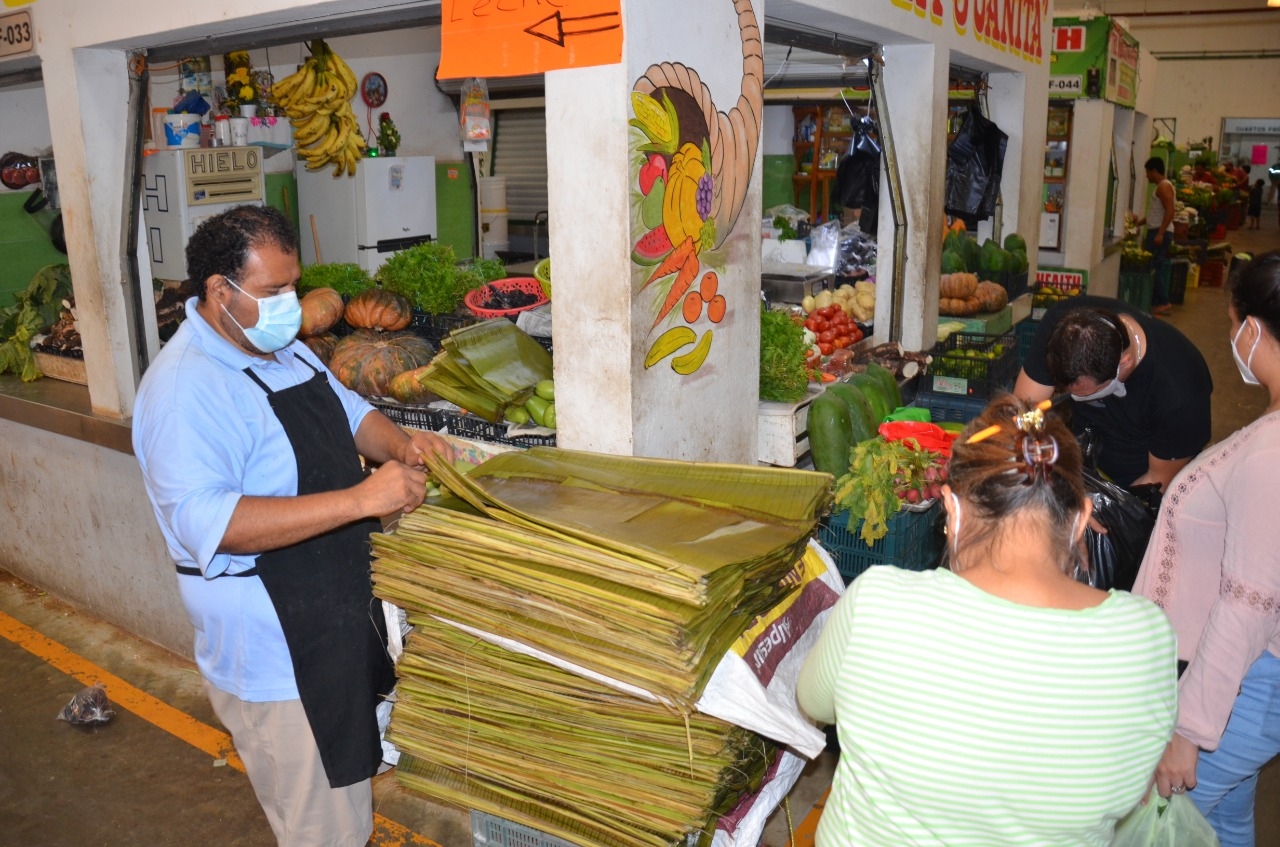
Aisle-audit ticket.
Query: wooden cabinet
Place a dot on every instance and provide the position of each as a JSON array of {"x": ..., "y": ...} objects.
[{"x": 822, "y": 138}]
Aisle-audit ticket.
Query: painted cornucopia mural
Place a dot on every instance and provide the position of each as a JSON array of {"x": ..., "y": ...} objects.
[{"x": 691, "y": 171}]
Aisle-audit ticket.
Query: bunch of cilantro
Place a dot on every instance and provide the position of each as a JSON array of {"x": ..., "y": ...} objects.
[{"x": 783, "y": 376}]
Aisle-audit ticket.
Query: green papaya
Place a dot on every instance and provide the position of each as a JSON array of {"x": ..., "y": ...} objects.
[
  {"x": 892, "y": 392},
  {"x": 1013, "y": 241},
  {"x": 830, "y": 435},
  {"x": 952, "y": 262},
  {"x": 972, "y": 254},
  {"x": 861, "y": 415},
  {"x": 875, "y": 394},
  {"x": 991, "y": 259}
]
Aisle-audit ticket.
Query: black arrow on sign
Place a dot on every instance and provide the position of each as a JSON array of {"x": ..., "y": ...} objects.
[{"x": 553, "y": 27}]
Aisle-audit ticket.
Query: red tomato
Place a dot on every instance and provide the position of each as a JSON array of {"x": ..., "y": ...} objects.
[
  {"x": 826, "y": 347},
  {"x": 811, "y": 324},
  {"x": 829, "y": 335},
  {"x": 821, "y": 324},
  {"x": 842, "y": 341}
]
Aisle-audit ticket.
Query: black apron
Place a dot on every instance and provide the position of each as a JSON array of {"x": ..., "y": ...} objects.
[{"x": 323, "y": 594}]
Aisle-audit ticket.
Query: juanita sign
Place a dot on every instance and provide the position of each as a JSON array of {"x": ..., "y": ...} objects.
[{"x": 1013, "y": 26}]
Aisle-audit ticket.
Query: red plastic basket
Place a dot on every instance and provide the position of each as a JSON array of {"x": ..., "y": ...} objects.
[{"x": 476, "y": 297}]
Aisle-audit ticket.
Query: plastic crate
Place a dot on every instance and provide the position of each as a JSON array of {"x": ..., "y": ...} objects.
[
  {"x": 1015, "y": 284},
  {"x": 435, "y": 327},
  {"x": 469, "y": 427},
  {"x": 492, "y": 831},
  {"x": 1178, "y": 270},
  {"x": 973, "y": 364},
  {"x": 914, "y": 542},
  {"x": 1025, "y": 330},
  {"x": 1135, "y": 289},
  {"x": 1213, "y": 273},
  {"x": 956, "y": 408}
]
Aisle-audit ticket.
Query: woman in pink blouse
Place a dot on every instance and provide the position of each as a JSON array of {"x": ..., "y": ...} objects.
[{"x": 1213, "y": 565}]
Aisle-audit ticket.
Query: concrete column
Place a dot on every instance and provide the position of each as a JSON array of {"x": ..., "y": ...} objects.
[
  {"x": 606, "y": 308},
  {"x": 88, "y": 91},
  {"x": 1122, "y": 133},
  {"x": 1091, "y": 135},
  {"x": 1019, "y": 110},
  {"x": 915, "y": 82}
]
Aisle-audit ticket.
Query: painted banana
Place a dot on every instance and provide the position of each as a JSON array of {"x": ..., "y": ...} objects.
[
  {"x": 668, "y": 343},
  {"x": 691, "y": 361}
]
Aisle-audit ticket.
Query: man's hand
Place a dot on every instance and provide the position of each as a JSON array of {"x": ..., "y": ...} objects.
[
  {"x": 1176, "y": 772},
  {"x": 419, "y": 444},
  {"x": 1158, "y": 238},
  {"x": 392, "y": 487}
]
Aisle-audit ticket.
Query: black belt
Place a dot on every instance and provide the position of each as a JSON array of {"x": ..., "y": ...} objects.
[{"x": 185, "y": 571}]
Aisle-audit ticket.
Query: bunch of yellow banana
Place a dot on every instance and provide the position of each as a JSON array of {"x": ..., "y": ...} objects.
[{"x": 317, "y": 100}]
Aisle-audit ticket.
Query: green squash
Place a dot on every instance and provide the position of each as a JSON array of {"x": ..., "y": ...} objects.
[
  {"x": 861, "y": 415},
  {"x": 830, "y": 435}
]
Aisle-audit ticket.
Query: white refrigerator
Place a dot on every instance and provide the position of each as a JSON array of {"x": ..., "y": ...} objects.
[{"x": 389, "y": 204}]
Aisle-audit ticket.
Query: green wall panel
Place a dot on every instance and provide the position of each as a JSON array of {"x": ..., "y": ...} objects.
[
  {"x": 455, "y": 208},
  {"x": 776, "y": 188},
  {"x": 24, "y": 244},
  {"x": 282, "y": 194}
]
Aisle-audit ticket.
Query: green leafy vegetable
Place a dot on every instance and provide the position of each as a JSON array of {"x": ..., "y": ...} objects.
[
  {"x": 35, "y": 309},
  {"x": 428, "y": 275},
  {"x": 878, "y": 471},
  {"x": 785, "y": 230},
  {"x": 342, "y": 277},
  {"x": 783, "y": 377},
  {"x": 489, "y": 269}
]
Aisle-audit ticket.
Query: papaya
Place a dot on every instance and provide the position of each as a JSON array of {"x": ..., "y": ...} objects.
[
  {"x": 830, "y": 435},
  {"x": 952, "y": 262},
  {"x": 892, "y": 392},
  {"x": 875, "y": 394},
  {"x": 861, "y": 415},
  {"x": 1013, "y": 241}
]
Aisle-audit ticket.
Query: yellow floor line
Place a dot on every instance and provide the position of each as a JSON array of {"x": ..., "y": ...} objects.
[
  {"x": 807, "y": 830},
  {"x": 214, "y": 742}
]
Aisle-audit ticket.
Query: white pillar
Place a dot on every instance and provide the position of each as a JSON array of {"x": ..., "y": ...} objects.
[
  {"x": 1091, "y": 135},
  {"x": 605, "y": 309},
  {"x": 915, "y": 82},
  {"x": 1020, "y": 110}
]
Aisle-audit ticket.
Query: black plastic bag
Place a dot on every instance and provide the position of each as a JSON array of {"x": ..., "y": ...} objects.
[
  {"x": 975, "y": 163},
  {"x": 1116, "y": 555}
]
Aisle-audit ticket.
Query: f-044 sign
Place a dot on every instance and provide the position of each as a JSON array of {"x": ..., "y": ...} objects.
[{"x": 16, "y": 35}]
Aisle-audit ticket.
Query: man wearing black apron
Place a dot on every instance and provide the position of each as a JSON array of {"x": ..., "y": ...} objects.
[{"x": 250, "y": 450}]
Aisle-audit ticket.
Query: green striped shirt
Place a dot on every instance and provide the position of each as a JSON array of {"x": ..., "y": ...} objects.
[{"x": 966, "y": 719}]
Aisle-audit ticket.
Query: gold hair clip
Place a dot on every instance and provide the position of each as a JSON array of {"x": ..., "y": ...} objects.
[{"x": 1033, "y": 418}]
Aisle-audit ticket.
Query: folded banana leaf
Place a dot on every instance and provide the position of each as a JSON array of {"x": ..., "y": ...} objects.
[{"x": 487, "y": 367}]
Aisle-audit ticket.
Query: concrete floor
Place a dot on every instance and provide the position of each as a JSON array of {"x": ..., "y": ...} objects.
[{"x": 159, "y": 772}]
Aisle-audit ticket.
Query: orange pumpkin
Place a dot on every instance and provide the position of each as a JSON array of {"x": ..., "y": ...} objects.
[
  {"x": 379, "y": 309},
  {"x": 322, "y": 346},
  {"x": 407, "y": 387},
  {"x": 367, "y": 361},
  {"x": 321, "y": 311}
]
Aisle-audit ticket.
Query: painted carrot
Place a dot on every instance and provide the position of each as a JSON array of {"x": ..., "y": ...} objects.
[
  {"x": 675, "y": 261},
  {"x": 684, "y": 278}
]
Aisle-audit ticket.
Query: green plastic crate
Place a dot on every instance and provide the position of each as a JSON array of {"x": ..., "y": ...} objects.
[
  {"x": 1135, "y": 289},
  {"x": 914, "y": 542}
]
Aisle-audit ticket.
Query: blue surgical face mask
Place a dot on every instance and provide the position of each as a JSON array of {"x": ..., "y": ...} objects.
[{"x": 279, "y": 319}]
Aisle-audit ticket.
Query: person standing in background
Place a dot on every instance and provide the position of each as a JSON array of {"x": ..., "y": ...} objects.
[
  {"x": 1255, "y": 206},
  {"x": 1212, "y": 566},
  {"x": 1159, "y": 237}
]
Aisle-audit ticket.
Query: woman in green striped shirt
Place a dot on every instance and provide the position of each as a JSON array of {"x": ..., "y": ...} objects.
[{"x": 999, "y": 702}]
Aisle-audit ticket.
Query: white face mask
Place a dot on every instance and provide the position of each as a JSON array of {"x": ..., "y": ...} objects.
[
  {"x": 1241, "y": 364},
  {"x": 1115, "y": 387}
]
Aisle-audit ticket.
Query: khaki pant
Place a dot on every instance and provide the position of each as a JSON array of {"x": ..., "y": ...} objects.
[{"x": 280, "y": 755}]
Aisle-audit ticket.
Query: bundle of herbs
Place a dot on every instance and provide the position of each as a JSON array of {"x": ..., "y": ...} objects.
[
  {"x": 343, "y": 277},
  {"x": 35, "y": 309},
  {"x": 783, "y": 376},
  {"x": 431, "y": 278}
]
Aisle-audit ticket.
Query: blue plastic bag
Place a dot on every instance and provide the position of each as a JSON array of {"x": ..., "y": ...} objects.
[{"x": 1175, "y": 822}]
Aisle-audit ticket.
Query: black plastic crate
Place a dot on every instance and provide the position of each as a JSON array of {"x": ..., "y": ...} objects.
[
  {"x": 914, "y": 542},
  {"x": 956, "y": 408},
  {"x": 1015, "y": 284},
  {"x": 458, "y": 424},
  {"x": 973, "y": 364},
  {"x": 1178, "y": 271},
  {"x": 435, "y": 327}
]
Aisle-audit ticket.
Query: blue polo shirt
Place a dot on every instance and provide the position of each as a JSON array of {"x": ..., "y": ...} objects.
[{"x": 205, "y": 434}]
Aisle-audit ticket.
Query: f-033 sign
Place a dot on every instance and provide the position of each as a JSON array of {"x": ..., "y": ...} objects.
[{"x": 16, "y": 35}]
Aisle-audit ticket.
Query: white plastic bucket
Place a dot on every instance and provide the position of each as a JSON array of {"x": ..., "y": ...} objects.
[
  {"x": 493, "y": 226},
  {"x": 182, "y": 130},
  {"x": 493, "y": 194}
]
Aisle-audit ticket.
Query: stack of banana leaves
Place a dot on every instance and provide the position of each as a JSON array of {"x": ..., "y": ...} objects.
[
  {"x": 486, "y": 367},
  {"x": 568, "y": 609}
]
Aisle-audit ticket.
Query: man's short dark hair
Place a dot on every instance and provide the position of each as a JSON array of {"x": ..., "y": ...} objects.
[
  {"x": 1155, "y": 163},
  {"x": 1085, "y": 342},
  {"x": 222, "y": 243}
]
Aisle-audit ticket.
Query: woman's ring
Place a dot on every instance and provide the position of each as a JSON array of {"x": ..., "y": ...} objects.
[{"x": 1179, "y": 789}]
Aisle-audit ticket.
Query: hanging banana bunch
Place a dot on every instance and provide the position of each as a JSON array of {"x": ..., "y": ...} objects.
[{"x": 317, "y": 100}]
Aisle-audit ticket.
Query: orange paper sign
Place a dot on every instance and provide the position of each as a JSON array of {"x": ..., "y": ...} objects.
[{"x": 494, "y": 38}]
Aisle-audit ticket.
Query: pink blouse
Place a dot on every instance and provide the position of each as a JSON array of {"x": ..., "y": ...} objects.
[{"x": 1213, "y": 565}]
